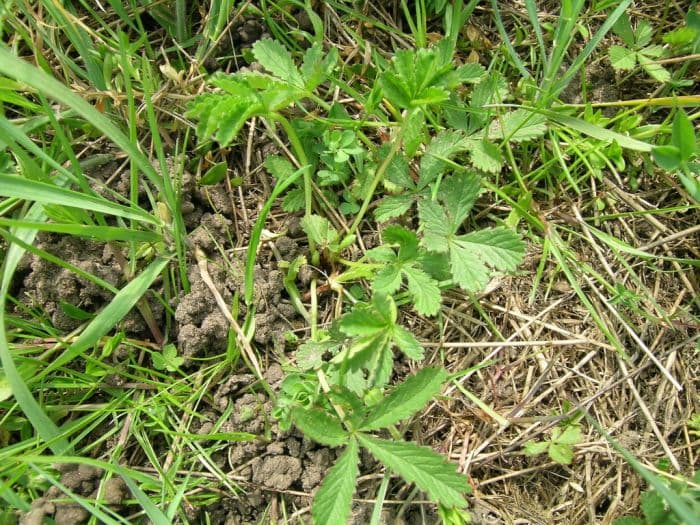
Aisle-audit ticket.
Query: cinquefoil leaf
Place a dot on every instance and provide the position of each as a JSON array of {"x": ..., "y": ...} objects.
[
  {"x": 517, "y": 126},
  {"x": 420, "y": 465},
  {"x": 332, "y": 502},
  {"x": 320, "y": 427},
  {"x": 274, "y": 57},
  {"x": 406, "y": 399}
]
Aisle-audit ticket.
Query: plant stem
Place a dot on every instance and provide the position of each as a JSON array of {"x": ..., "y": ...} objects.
[
  {"x": 379, "y": 175},
  {"x": 299, "y": 151}
]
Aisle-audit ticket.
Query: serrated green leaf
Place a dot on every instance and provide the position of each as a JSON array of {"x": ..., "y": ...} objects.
[
  {"x": 469, "y": 73},
  {"x": 393, "y": 206},
  {"x": 394, "y": 89},
  {"x": 622, "y": 58},
  {"x": 279, "y": 167},
  {"x": 320, "y": 230},
  {"x": 362, "y": 321},
  {"x": 683, "y": 135},
  {"x": 561, "y": 453},
  {"x": 458, "y": 194},
  {"x": 654, "y": 70},
  {"x": 485, "y": 156},
  {"x": 442, "y": 147},
  {"x": 294, "y": 200},
  {"x": 623, "y": 28},
  {"x": 398, "y": 171},
  {"x": 436, "y": 226},
  {"x": 331, "y": 505},
  {"x": 274, "y": 57},
  {"x": 653, "y": 507},
  {"x": 534, "y": 448},
  {"x": 472, "y": 254},
  {"x": 420, "y": 465},
  {"x": 407, "y": 343},
  {"x": 388, "y": 279},
  {"x": 571, "y": 435},
  {"x": 517, "y": 126},
  {"x": 424, "y": 291},
  {"x": 319, "y": 426},
  {"x": 406, "y": 399},
  {"x": 643, "y": 33},
  {"x": 414, "y": 134}
]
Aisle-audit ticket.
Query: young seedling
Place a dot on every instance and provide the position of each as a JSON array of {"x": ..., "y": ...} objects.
[
  {"x": 637, "y": 49},
  {"x": 560, "y": 447}
]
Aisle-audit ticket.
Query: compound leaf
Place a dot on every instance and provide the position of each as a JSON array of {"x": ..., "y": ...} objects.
[
  {"x": 320, "y": 427},
  {"x": 406, "y": 399},
  {"x": 420, "y": 465},
  {"x": 332, "y": 502}
]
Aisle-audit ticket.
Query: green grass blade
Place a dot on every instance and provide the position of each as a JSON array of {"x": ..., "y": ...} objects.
[
  {"x": 21, "y": 188},
  {"x": 102, "y": 233},
  {"x": 257, "y": 231},
  {"x": 122, "y": 303},
  {"x": 506, "y": 41},
  {"x": 44, "y": 427},
  {"x": 18, "y": 69},
  {"x": 559, "y": 85}
]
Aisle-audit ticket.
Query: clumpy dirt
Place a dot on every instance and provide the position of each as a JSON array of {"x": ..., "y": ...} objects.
[
  {"x": 84, "y": 481},
  {"x": 48, "y": 287}
]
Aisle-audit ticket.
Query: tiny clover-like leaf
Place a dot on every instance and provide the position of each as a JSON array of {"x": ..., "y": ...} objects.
[
  {"x": 406, "y": 399},
  {"x": 422, "y": 287},
  {"x": 561, "y": 453},
  {"x": 319, "y": 426},
  {"x": 571, "y": 435},
  {"x": 420, "y": 465},
  {"x": 331, "y": 505},
  {"x": 274, "y": 57}
]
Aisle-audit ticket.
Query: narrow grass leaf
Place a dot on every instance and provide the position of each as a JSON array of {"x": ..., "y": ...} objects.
[
  {"x": 320, "y": 427},
  {"x": 122, "y": 303},
  {"x": 677, "y": 504},
  {"x": 420, "y": 465},
  {"x": 281, "y": 185},
  {"x": 406, "y": 399},
  {"x": 43, "y": 425},
  {"x": 16, "y": 68},
  {"x": 21, "y": 188},
  {"x": 598, "y": 132},
  {"x": 102, "y": 233},
  {"x": 332, "y": 502}
]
